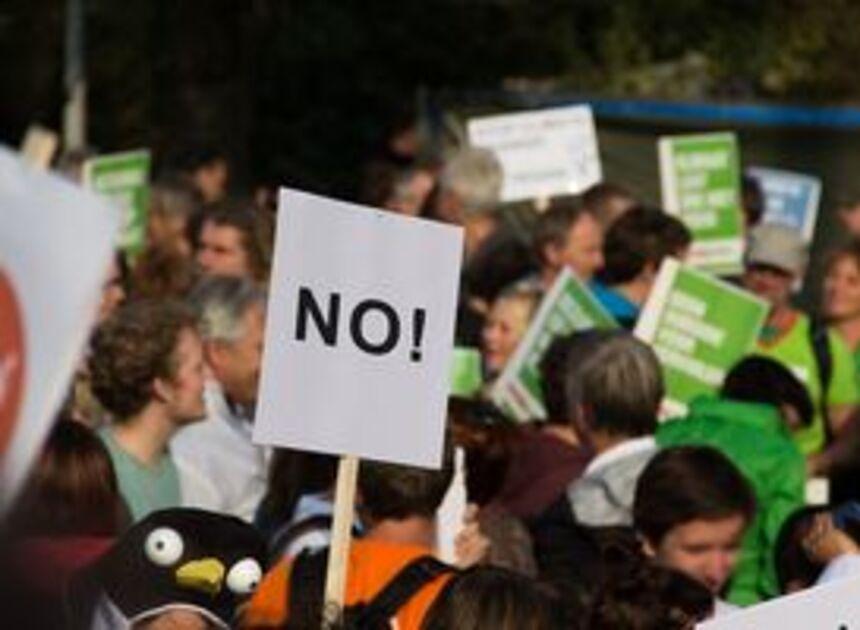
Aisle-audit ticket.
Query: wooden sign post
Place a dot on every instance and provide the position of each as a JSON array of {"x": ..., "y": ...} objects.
[{"x": 338, "y": 555}]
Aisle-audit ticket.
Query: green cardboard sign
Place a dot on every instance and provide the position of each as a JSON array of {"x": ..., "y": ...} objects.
[
  {"x": 124, "y": 179},
  {"x": 567, "y": 307},
  {"x": 466, "y": 377},
  {"x": 699, "y": 326},
  {"x": 700, "y": 181}
]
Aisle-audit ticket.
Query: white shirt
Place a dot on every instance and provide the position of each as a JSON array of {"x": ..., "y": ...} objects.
[
  {"x": 220, "y": 468},
  {"x": 620, "y": 451}
]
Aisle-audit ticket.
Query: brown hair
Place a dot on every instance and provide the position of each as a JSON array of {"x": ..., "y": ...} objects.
[
  {"x": 552, "y": 226},
  {"x": 132, "y": 348},
  {"x": 850, "y": 250},
  {"x": 162, "y": 273},
  {"x": 73, "y": 489},
  {"x": 392, "y": 491},
  {"x": 255, "y": 227},
  {"x": 688, "y": 483},
  {"x": 489, "y": 597}
]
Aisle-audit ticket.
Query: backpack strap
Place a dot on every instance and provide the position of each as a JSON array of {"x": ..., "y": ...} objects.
[
  {"x": 305, "y": 593},
  {"x": 400, "y": 589},
  {"x": 287, "y": 535},
  {"x": 819, "y": 340}
]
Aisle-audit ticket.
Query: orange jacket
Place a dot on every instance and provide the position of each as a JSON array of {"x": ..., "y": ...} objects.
[{"x": 372, "y": 564}]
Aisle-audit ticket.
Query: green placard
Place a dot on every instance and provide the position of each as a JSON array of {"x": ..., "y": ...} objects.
[
  {"x": 701, "y": 183},
  {"x": 466, "y": 378},
  {"x": 124, "y": 179},
  {"x": 567, "y": 307},
  {"x": 699, "y": 326}
]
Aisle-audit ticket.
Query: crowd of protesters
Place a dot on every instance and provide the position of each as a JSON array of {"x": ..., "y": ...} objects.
[{"x": 604, "y": 515}]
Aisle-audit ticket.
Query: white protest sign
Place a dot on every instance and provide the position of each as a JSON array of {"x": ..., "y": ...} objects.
[
  {"x": 55, "y": 250},
  {"x": 833, "y": 606},
  {"x": 360, "y": 331},
  {"x": 39, "y": 146},
  {"x": 543, "y": 153}
]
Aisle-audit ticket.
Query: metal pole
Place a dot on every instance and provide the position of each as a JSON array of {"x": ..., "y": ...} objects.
[{"x": 74, "y": 112}]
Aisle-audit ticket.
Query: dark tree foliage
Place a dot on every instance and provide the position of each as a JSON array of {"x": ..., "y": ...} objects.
[{"x": 301, "y": 92}]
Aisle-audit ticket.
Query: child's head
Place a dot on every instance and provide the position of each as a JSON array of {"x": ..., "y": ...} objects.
[{"x": 691, "y": 509}]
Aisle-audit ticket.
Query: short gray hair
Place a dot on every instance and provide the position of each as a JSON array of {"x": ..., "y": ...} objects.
[
  {"x": 617, "y": 378},
  {"x": 221, "y": 302},
  {"x": 475, "y": 176}
]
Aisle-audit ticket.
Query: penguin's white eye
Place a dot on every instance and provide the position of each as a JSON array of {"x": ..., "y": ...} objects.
[
  {"x": 164, "y": 546},
  {"x": 244, "y": 576}
]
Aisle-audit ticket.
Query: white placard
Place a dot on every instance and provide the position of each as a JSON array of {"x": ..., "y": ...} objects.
[
  {"x": 833, "y": 606},
  {"x": 543, "y": 153},
  {"x": 55, "y": 250},
  {"x": 359, "y": 333}
]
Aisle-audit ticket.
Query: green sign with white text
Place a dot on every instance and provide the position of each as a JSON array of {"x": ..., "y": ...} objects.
[
  {"x": 567, "y": 307},
  {"x": 701, "y": 184},
  {"x": 699, "y": 326},
  {"x": 124, "y": 179}
]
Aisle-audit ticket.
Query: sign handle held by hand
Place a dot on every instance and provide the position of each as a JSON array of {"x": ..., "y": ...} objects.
[{"x": 338, "y": 555}]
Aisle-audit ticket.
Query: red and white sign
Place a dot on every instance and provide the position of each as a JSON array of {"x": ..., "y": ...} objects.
[
  {"x": 56, "y": 245},
  {"x": 12, "y": 360}
]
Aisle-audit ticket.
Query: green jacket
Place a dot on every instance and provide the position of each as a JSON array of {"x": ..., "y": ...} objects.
[{"x": 755, "y": 439}]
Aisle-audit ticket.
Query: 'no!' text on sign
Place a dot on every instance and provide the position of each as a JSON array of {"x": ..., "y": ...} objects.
[{"x": 359, "y": 333}]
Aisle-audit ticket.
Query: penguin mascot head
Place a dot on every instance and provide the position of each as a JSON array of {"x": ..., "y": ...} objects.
[{"x": 177, "y": 559}]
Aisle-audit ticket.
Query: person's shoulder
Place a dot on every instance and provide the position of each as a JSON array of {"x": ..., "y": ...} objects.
[
  {"x": 385, "y": 552},
  {"x": 196, "y": 488},
  {"x": 841, "y": 350},
  {"x": 194, "y": 441}
]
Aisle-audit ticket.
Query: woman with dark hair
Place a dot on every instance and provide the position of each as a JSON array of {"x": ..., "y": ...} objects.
[
  {"x": 69, "y": 513},
  {"x": 73, "y": 489},
  {"x": 691, "y": 510}
]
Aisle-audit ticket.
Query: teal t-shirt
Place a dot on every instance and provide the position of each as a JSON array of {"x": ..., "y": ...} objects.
[{"x": 145, "y": 488}]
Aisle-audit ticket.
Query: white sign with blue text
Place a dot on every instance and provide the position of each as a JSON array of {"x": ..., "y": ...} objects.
[
  {"x": 359, "y": 333},
  {"x": 790, "y": 198}
]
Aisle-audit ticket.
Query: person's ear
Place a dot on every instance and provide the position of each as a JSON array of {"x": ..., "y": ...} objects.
[
  {"x": 648, "y": 273},
  {"x": 162, "y": 390},
  {"x": 582, "y": 421},
  {"x": 647, "y": 548},
  {"x": 215, "y": 354},
  {"x": 790, "y": 417},
  {"x": 551, "y": 254}
]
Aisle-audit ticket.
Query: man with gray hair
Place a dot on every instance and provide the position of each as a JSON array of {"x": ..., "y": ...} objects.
[
  {"x": 229, "y": 471},
  {"x": 495, "y": 252},
  {"x": 614, "y": 387},
  {"x": 469, "y": 191}
]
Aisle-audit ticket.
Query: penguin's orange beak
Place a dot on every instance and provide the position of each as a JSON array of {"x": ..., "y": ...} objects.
[{"x": 206, "y": 576}]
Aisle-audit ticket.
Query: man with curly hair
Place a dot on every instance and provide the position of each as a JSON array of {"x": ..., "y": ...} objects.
[{"x": 147, "y": 371}]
